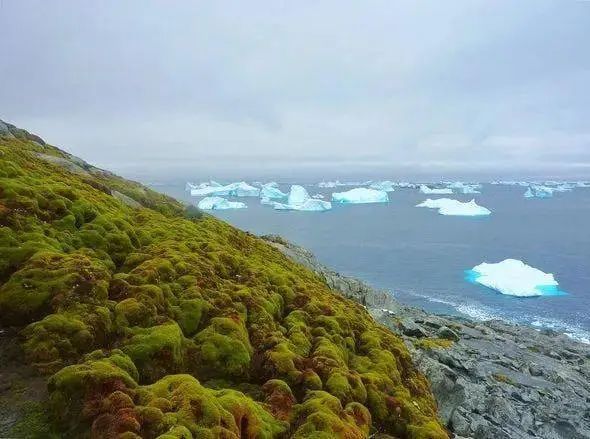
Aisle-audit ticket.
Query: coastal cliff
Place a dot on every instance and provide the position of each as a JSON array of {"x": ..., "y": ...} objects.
[
  {"x": 125, "y": 314},
  {"x": 491, "y": 379}
]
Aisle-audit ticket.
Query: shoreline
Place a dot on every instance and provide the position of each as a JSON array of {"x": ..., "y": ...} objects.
[{"x": 492, "y": 379}]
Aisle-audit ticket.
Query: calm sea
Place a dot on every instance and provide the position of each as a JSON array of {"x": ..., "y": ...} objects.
[{"x": 421, "y": 256}]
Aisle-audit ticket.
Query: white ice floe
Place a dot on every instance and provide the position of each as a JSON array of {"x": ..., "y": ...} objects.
[
  {"x": 386, "y": 185},
  {"x": 465, "y": 188},
  {"x": 535, "y": 191},
  {"x": 318, "y": 196},
  {"x": 360, "y": 195},
  {"x": 436, "y": 191},
  {"x": 405, "y": 185},
  {"x": 240, "y": 189},
  {"x": 299, "y": 199},
  {"x": 447, "y": 206},
  {"x": 510, "y": 183},
  {"x": 218, "y": 203},
  {"x": 514, "y": 278},
  {"x": 328, "y": 184}
]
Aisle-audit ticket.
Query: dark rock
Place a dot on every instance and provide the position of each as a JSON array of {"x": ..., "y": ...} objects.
[
  {"x": 410, "y": 328},
  {"x": 447, "y": 333}
]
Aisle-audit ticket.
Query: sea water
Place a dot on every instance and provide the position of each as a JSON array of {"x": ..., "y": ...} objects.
[{"x": 422, "y": 257}]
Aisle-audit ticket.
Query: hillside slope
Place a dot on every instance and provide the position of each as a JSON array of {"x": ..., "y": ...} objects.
[{"x": 152, "y": 320}]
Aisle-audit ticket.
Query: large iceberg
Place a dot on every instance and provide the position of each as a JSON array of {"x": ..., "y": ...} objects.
[
  {"x": 240, "y": 189},
  {"x": 218, "y": 203},
  {"x": 299, "y": 199},
  {"x": 436, "y": 191},
  {"x": 447, "y": 206},
  {"x": 360, "y": 195},
  {"x": 514, "y": 278},
  {"x": 271, "y": 191},
  {"x": 387, "y": 186},
  {"x": 535, "y": 191}
]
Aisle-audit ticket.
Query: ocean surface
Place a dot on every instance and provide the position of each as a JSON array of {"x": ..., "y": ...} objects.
[{"x": 421, "y": 256}]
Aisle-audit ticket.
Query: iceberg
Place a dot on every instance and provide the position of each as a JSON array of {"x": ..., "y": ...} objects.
[
  {"x": 386, "y": 186},
  {"x": 329, "y": 184},
  {"x": 240, "y": 189},
  {"x": 319, "y": 196},
  {"x": 447, "y": 206},
  {"x": 469, "y": 190},
  {"x": 271, "y": 190},
  {"x": 299, "y": 199},
  {"x": 360, "y": 195},
  {"x": 210, "y": 183},
  {"x": 436, "y": 191},
  {"x": 563, "y": 187},
  {"x": 510, "y": 183},
  {"x": 218, "y": 203},
  {"x": 514, "y": 278},
  {"x": 406, "y": 185},
  {"x": 465, "y": 188},
  {"x": 535, "y": 191}
]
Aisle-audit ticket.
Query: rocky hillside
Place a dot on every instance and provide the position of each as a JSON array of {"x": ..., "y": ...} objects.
[
  {"x": 124, "y": 314},
  {"x": 492, "y": 380}
]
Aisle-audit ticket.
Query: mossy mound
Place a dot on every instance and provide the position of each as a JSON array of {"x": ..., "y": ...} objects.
[{"x": 158, "y": 321}]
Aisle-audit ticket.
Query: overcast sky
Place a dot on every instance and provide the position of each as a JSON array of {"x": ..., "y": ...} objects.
[{"x": 447, "y": 87}]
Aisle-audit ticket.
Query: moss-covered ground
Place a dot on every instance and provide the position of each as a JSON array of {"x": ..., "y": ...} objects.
[{"x": 160, "y": 322}]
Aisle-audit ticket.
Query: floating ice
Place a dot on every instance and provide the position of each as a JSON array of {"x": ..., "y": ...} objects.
[
  {"x": 318, "y": 196},
  {"x": 299, "y": 199},
  {"x": 563, "y": 187},
  {"x": 406, "y": 185},
  {"x": 336, "y": 183},
  {"x": 514, "y": 278},
  {"x": 210, "y": 183},
  {"x": 240, "y": 189},
  {"x": 297, "y": 195},
  {"x": 271, "y": 190},
  {"x": 218, "y": 203},
  {"x": 535, "y": 191},
  {"x": 386, "y": 186},
  {"x": 510, "y": 183},
  {"x": 310, "y": 205},
  {"x": 465, "y": 188},
  {"x": 447, "y": 206},
  {"x": 436, "y": 191},
  {"x": 360, "y": 195}
]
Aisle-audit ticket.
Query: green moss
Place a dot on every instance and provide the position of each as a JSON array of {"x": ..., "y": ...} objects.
[
  {"x": 223, "y": 349},
  {"x": 188, "y": 314},
  {"x": 35, "y": 424},
  {"x": 50, "y": 281},
  {"x": 181, "y": 292},
  {"x": 503, "y": 378},
  {"x": 157, "y": 350},
  {"x": 433, "y": 343},
  {"x": 324, "y": 416}
]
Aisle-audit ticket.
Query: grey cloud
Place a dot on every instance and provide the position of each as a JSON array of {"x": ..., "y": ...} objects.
[{"x": 462, "y": 85}]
